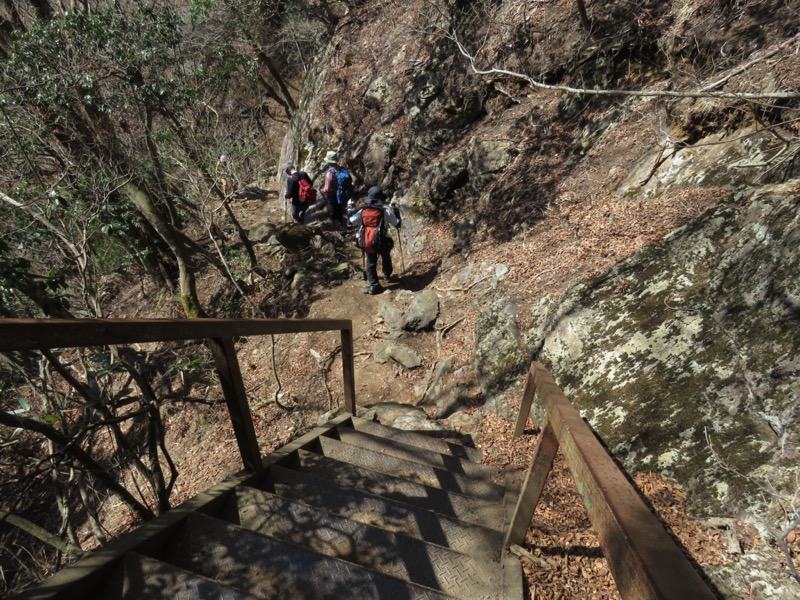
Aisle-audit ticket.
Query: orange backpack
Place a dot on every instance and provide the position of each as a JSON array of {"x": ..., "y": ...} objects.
[{"x": 370, "y": 237}]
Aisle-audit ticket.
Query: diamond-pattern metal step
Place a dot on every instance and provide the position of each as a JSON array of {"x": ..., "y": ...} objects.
[
  {"x": 391, "y": 515},
  {"x": 413, "y": 471},
  {"x": 420, "y": 440},
  {"x": 406, "y": 558},
  {"x": 413, "y": 453},
  {"x": 267, "y": 568},
  {"x": 463, "y": 508},
  {"x": 140, "y": 577}
]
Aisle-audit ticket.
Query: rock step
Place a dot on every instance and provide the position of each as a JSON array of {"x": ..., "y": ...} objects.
[
  {"x": 402, "y": 450},
  {"x": 456, "y": 506},
  {"x": 389, "y": 514},
  {"x": 421, "y": 440},
  {"x": 267, "y": 568},
  {"x": 140, "y": 577},
  {"x": 392, "y": 554},
  {"x": 412, "y": 471}
]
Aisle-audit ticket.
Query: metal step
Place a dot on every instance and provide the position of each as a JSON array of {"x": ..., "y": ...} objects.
[
  {"x": 391, "y": 515},
  {"x": 413, "y": 453},
  {"x": 405, "y": 558},
  {"x": 267, "y": 568},
  {"x": 412, "y": 438},
  {"x": 140, "y": 577},
  {"x": 463, "y": 508},
  {"x": 412, "y": 471}
]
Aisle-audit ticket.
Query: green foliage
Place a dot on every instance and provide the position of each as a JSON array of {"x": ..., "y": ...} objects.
[
  {"x": 78, "y": 55},
  {"x": 238, "y": 263},
  {"x": 20, "y": 288}
]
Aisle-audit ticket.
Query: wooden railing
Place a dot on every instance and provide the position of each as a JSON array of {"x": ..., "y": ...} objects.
[
  {"x": 644, "y": 560},
  {"x": 43, "y": 334}
]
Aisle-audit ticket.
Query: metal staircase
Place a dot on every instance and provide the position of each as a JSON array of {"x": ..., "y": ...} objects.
[{"x": 353, "y": 509}]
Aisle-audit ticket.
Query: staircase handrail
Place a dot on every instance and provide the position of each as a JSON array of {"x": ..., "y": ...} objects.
[
  {"x": 45, "y": 334},
  {"x": 644, "y": 560}
]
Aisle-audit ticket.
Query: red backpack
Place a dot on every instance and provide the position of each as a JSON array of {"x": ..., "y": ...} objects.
[
  {"x": 308, "y": 195},
  {"x": 371, "y": 235}
]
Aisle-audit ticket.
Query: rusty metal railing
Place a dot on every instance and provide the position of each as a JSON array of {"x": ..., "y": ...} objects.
[
  {"x": 644, "y": 560},
  {"x": 43, "y": 334}
]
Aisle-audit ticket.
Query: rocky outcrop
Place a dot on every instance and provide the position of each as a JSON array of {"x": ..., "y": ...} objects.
[
  {"x": 499, "y": 358},
  {"x": 685, "y": 358}
]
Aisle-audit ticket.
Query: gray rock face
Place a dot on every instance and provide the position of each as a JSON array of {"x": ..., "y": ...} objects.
[
  {"x": 499, "y": 357},
  {"x": 377, "y": 158},
  {"x": 422, "y": 312},
  {"x": 378, "y": 93},
  {"x": 686, "y": 358},
  {"x": 438, "y": 181},
  {"x": 486, "y": 159}
]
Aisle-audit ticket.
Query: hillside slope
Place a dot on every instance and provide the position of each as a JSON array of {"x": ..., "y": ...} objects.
[{"x": 515, "y": 193}]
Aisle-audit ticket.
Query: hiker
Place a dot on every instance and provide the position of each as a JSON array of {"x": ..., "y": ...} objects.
[
  {"x": 337, "y": 189},
  {"x": 373, "y": 239},
  {"x": 302, "y": 196}
]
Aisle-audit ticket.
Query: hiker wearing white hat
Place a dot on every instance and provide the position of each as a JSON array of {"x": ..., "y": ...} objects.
[{"x": 337, "y": 190}]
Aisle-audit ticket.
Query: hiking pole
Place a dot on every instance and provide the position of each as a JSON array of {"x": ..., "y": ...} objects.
[
  {"x": 400, "y": 243},
  {"x": 364, "y": 263},
  {"x": 399, "y": 238}
]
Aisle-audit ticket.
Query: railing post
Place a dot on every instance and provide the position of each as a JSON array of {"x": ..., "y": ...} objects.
[
  {"x": 541, "y": 464},
  {"x": 527, "y": 402},
  {"x": 348, "y": 371},
  {"x": 230, "y": 377}
]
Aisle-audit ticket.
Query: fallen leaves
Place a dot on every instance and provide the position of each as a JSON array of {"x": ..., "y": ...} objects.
[{"x": 561, "y": 555}]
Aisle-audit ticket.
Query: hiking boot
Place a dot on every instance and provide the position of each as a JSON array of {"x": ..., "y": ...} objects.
[
  {"x": 374, "y": 290},
  {"x": 392, "y": 278}
]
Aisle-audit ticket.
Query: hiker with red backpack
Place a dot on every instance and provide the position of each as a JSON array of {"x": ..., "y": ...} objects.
[
  {"x": 337, "y": 189},
  {"x": 300, "y": 191},
  {"x": 373, "y": 238}
]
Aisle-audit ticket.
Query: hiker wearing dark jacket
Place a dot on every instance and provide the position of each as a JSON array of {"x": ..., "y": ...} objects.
[
  {"x": 293, "y": 177},
  {"x": 376, "y": 214},
  {"x": 329, "y": 190}
]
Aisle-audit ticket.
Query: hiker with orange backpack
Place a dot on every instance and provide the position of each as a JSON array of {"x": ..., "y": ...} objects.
[
  {"x": 299, "y": 191},
  {"x": 373, "y": 238}
]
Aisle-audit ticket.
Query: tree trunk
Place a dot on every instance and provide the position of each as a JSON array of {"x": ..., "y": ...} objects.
[
  {"x": 186, "y": 281},
  {"x": 276, "y": 75},
  {"x": 585, "y": 23}
]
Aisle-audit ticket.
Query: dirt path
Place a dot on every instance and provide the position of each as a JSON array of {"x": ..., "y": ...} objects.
[{"x": 375, "y": 382}]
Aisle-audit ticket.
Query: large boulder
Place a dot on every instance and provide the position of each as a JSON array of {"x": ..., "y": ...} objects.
[
  {"x": 422, "y": 312},
  {"x": 294, "y": 236},
  {"x": 686, "y": 357},
  {"x": 499, "y": 357}
]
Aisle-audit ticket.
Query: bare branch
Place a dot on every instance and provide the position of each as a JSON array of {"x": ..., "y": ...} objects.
[{"x": 702, "y": 93}]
